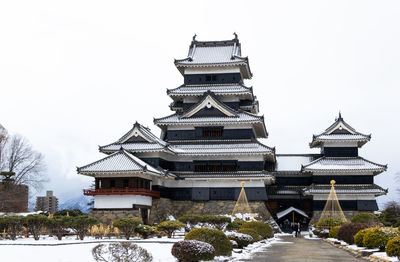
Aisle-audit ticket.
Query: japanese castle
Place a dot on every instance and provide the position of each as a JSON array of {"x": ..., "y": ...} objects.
[{"x": 214, "y": 140}]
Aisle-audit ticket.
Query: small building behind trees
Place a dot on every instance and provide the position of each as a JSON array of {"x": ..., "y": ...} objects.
[{"x": 48, "y": 203}]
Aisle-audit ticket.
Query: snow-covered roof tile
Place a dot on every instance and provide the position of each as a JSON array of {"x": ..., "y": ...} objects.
[
  {"x": 218, "y": 89},
  {"x": 215, "y": 53},
  {"x": 121, "y": 161},
  {"x": 292, "y": 162},
  {"x": 346, "y": 189},
  {"x": 339, "y": 131},
  {"x": 343, "y": 164}
]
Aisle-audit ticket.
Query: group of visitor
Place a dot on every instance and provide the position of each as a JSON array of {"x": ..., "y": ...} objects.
[{"x": 293, "y": 227}]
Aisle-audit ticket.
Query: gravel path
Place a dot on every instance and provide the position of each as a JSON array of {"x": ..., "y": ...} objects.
[{"x": 301, "y": 249}]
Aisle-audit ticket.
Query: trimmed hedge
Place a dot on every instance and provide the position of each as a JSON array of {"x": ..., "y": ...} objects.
[
  {"x": 35, "y": 223},
  {"x": 251, "y": 232},
  {"x": 215, "y": 237},
  {"x": 145, "y": 231},
  {"x": 235, "y": 225},
  {"x": 359, "y": 237},
  {"x": 127, "y": 225},
  {"x": 348, "y": 231},
  {"x": 218, "y": 221},
  {"x": 242, "y": 240},
  {"x": 192, "y": 250},
  {"x": 170, "y": 226},
  {"x": 378, "y": 237},
  {"x": 81, "y": 225},
  {"x": 333, "y": 232},
  {"x": 368, "y": 218},
  {"x": 263, "y": 229},
  {"x": 393, "y": 247},
  {"x": 12, "y": 224},
  {"x": 330, "y": 222}
]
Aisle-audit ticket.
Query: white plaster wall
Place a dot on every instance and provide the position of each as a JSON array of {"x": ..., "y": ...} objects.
[
  {"x": 340, "y": 144},
  {"x": 121, "y": 201}
]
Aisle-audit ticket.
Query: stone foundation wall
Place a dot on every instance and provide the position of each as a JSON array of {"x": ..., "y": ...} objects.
[
  {"x": 349, "y": 215},
  {"x": 108, "y": 216},
  {"x": 163, "y": 207}
]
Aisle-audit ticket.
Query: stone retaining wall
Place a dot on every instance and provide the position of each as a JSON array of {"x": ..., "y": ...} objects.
[
  {"x": 349, "y": 215},
  {"x": 108, "y": 216},
  {"x": 163, "y": 207}
]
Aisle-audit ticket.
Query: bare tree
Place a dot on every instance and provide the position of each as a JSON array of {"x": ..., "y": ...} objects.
[
  {"x": 3, "y": 141},
  {"x": 397, "y": 175},
  {"x": 26, "y": 165}
]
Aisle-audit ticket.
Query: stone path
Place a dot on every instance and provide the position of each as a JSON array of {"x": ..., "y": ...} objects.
[{"x": 301, "y": 250}]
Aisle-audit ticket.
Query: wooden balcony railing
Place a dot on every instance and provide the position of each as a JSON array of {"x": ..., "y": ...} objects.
[{"x": 121, "y": 191}]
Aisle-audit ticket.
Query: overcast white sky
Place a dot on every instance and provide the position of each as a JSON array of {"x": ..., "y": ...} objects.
[{"x": 78, "y": 74}]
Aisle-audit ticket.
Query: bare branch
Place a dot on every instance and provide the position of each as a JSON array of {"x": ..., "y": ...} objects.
[{"x": 27, "y": 164}]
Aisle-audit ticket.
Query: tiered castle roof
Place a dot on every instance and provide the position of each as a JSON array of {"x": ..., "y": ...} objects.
[
  {"x": 339, "y": 131},
  {"x": 215, "y": 53},
  {"x": 343, "y": 164}
]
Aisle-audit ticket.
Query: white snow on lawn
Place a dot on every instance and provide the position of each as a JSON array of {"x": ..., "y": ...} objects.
[
  {"x": 27, "y": 249},
  {"x": 77, "y": 251}
]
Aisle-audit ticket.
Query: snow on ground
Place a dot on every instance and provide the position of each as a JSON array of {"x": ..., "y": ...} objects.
[
  {"x": 49, "y": 249},
  {"x": 72, "y": 250},
  {"x": 375, "y": 254}
]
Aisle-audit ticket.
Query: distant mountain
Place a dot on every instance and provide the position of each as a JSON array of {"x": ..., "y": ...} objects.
[{"x": 80, "y": 202}]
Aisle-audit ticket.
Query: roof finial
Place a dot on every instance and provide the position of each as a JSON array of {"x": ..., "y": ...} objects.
[
  {"x": 236, "y": 36},
  {"x": 194, "y": 37},
  {"x": 340, "y": 115}
]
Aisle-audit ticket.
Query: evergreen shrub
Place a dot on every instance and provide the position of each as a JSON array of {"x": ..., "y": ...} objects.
[
  {"x": 367, "y": 218},
  {"x": 127, "y": 225},
  {"x": 214, "y": 237},
  {"x": 235, "y": 225},
  {"x": 378, "y": 237},
  {"x": 192, "y": 250},
  {"x": 330, "y": 222},
  {"x": 58, "y": 225},
  {"x": 145, "y": 231},
  {"x": 82, "y": 224},
  {"x": 251, "y": 232},
  {"x": 333, "y": 232},
  {"x": 359, "y": 237},
  {"x": 242, "y": 240},
  {"x": 35, "y": 223},
  {"x": 170, "y": 226},
  {"x": 393, "y": 247},
  {"x": 263, "y": 229},
  {"x": 218, "y": 221},
  {"x": 69, "y": 212},
  {"x": 348, "y": 231},
  {"x": 12, "y": 225}
]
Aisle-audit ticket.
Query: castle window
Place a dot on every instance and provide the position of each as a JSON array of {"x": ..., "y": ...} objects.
[
  {"x": 212, "y": 131},
  {"x": 211, "y": 78},
  {"x": 215, "y": 166},
  {"x": 125, "y": 183}
]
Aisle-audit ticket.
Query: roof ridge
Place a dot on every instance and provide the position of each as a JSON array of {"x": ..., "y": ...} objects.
[
  {"x": 98, "y": 161},
  {"x": 213, "y": 96}
]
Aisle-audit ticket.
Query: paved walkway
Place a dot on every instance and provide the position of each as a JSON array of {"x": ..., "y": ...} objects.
[{"x": 301, "y": 250}]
